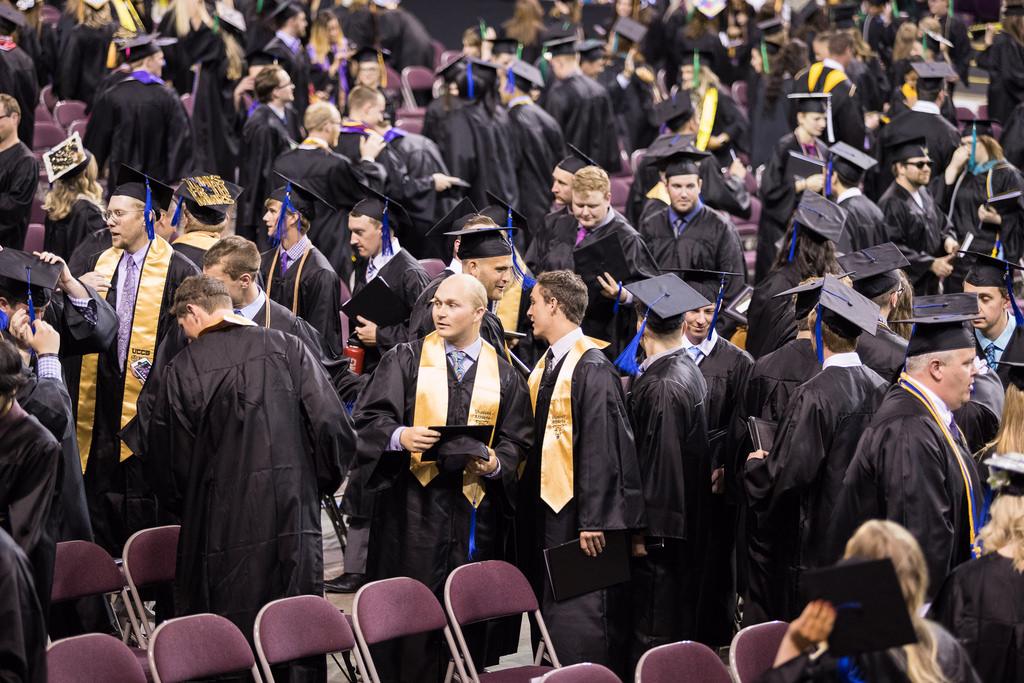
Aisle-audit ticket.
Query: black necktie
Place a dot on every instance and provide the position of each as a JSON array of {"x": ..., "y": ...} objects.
[{"x": 549, "y": 364}]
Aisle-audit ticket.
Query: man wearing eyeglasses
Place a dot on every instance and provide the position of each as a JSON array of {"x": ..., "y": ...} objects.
[{"x": 914, "y": 221}]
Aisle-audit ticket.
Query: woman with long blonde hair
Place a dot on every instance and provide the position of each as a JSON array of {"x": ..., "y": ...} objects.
[
  {"x": 982, "y": 601},
  {"x": 329, "y": 52},
  {"x": 526, "y": 26},
  {"x": 83, "y": 53},
  {"x": 936, "y": 657},
  {"x": 73, "y": 207}
]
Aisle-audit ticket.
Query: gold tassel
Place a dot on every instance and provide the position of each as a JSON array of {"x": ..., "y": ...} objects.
[
  {"x": 383, "y": 70},
  {"x": 112, "y": 56}
]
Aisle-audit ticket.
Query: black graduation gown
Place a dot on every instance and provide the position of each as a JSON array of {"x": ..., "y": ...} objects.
[
  {"x": 1012, "y": 138},
  {"x": 847, "y": 111},
  {"x": 1003, "y": 61},
  {"x": 982, "y": 605},
  {"x": 191, "y": 252},
  {"x": 82, "y": 61},
  {"x": 942, "y": 136},
  {"x": 668, "y": 416},
  {"x": 421, "y": 321},
  {"x": 918, "y": 232},
  {"x": 769, "y": 121},
  {"x": 978, "y": 419},
  {"x": 771, "y": 320},
  {"x": 319, "y": 294},
  {"x": 142, "y": 125},
  {"x": 583, "y": 109},
  {"x": 864, "y": 227},
  {"x": 720, "y": 191},
  {"x": 264, "y": 137},
  {"x": 793, "y": 489},
  {"x": 884, "y": 352},
  {"x": 778, "y": 201},
  {"x": 297, "y": 66},
  {"x": 64, "y": 235},
  {"x": 406, "y": 277},
  {"x": 539, "y": 146},
  {"x": 23, "y": 637},
  {"x": 337, "y": 179},
  {"x": 477, "y": 146},
  {"x": 886, "y": 665},
  {"x": 82, "y": 256},
  {"x": 550, "y": 248},
  {"x": 726, "y": 370},
  {"x": 872, "y": 83},
  {"x": 708, "y": 242},
  {"x": 420, "y": 531},
  {"x": 421, "y": 159},
  {"x": 633, "y": 106},
  {"x": 18, "y": 79},
  {"x": 246, "y": 436},
  {"x": 215, "y": 140},
  {"x": 120, "y": 501},
  {"x": 607, "y": 495},
  {"x": 31, "y": 468},
  {"x": 600, "y": 320},
  {"x": 904, "y": 471},
  {"x": 19, "y": 177},
  {"x": 729, "y": 118}
]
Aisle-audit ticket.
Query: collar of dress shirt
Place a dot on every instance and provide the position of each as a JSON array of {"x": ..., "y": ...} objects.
[
  {"x": 380, "y": 260},
  {"x": 252, "y": 309},
  {"x": 833, "y": 64},
  {"x": 564, "y": 345},
  {"x": 926, "y": 108},
  {"x": 945, "y": 414},
  {"x": 298, "y": 249},
  {"x": 1003, "y": 340},
  {"x": 139, "y": 257},
  {"x": 846, "y": 194},
  {"x": 651, "y": 360},
  {"x": 518, "y": 101},
  {"x": 842, "y": 360},
  {"x": 291, "y": 42},
  {"x": 673, "y": 216},
  {"x": 706, "y": 346},
  {"x": 472, "y": 351},
  {"x": 279, "y": 112}
]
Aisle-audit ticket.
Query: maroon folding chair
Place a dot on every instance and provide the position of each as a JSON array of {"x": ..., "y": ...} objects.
[
  {"x": 396, "y": 608},
  {"x": 410, "y": 125},
  {"x": 410, "y": 113},
  {"x": 47, "y": 96},
  {"x": 49, "y": 15},
  {"x": 438, "y": 52},
  {"x": 753, "y": 649},
  {"x": 37, "y": 214},
  {"x": 150, "y": 559},
  {"x": 394, "y": 82},
  {"x": 470, "y": 598},
  {"x": 581, "y": 673},
  {"x": 449, "y": 56},
  {"x": 620, "y": 192},
  {"x": 43, "y": 112},
  {"x": 683, "y": 662},
  {"x": 92, "y": 658},
  {"x": 79, "y": 126},
  {"x": 46, "y": 134},
  {"x": 625, "y": 168},
  {"x": 433, "y": 266},
  {"x": 417, "y": 79},
  {"x": 35, "y": 237},
  {"x": 636, "y": 157},
  {"x": 301, "y": 626},
  {"x": 739, "y": 93},
  {"x": 188, "y": 102},
  {"x": 67, "y": 112},
  {"x": 199, "y": 646}
]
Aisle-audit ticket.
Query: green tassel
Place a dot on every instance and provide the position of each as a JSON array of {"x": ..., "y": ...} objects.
[
  {"x": 259, "y": 6},
  {"x": 519, "y": 51},
  {"x": 696, "y": 69},
  {"x": 216, "y": 24},
  {"x": 483, "y": 30},
  {"x": 765, "y": 66}
]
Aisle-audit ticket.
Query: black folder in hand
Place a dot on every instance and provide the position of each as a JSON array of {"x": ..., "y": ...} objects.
[
  {"x": 572, "y": 573},
  {"x": 802, "y": 166},
  {"x": 603, "y": 255},
  {"x": 470, "y": 436},
  {"x": 762, "y": 433},
  {"x": 378, "y": 303}
]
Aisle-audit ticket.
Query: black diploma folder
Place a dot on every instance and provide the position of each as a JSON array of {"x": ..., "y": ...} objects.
[
  {"x": 376, "y": 302},
  {"x": 572, "y": 573},
  {"x": 802, "y": 166},
  {"x": 603, "y": 255},
  {"x": 762, "y": 433},
  {"x": 450, "y": 433}
]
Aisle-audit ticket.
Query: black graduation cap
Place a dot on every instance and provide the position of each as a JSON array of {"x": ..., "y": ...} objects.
[
  {"x": 683, "y": 162},
  {"x": 1013, "y": 11},
  {"x": 67, "y": 159},
  {"x": 231, "y": 18},
  {"x": 504, "y": 44},
  {"x": 560, "y": 46},
  {"x": 977, "y": 127},
  {"x": 576, "y": 160},
  {"x": 811, "y": 102},
  {"x": 478, "y": 74},
  {"x": 1006, "y": 471},
  {"x": 482, "y": 241},
  {"x": 18, "y": 267},
  {"x": 804, "y": 14},
  {"x": 630, "y": 29},
  {"x": 840, "y": 307},
  {"x": 301, "y": 197},
  {"x": 770, "y": 26},
  {"x": 284, "y": 11},
  {"x": 909, "y": 145},
  {"x": 450, "y": 70},
  {"x": 371, "y": 53},
  {"x": 849, "y": 161},
  {"x": 695, "y": 57},
  {"x": 845, "y": 16},
  {"x": 12, "y": 16},
  {"x": 942, "y": 323},
  {"x": 871, "y": 613},
  {"x": 144, "y": 45},
  {"x": 707, "y": 282},
  {"x": 590, "y": 50},
  {"x": 990, "y": 271},
  {"x": 500, "y": 211},
  {"x": 820, "y": 216},
  {"x": 133, "y": 183},
  {"x": 678, "y": 108},
  {"x": 873, "y": 269},
  {"x": 936, "y": 73},
  {"x": 454, "y": 219},
  {"x": 208, "y": 198},
  {"x": 259, "y": 57},
  {"x": 378, "y": 206},
  {"x": 527, "y": 72}
]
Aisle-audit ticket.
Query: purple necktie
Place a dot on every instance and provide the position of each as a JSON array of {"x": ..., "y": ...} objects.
[
  {"x": 126, "y": 309},
  {"x": 580, "y": 234},
  {"x": 284, "y": 262}
]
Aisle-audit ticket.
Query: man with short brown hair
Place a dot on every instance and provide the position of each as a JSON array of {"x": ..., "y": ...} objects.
[{"x": 19, "y": 175}]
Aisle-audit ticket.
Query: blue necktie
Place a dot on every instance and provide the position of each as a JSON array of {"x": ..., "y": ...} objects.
[
  {"x": 458, "y": 359},
  {"x": 695, "y": 353},
  {"x": 990, "y": 354}
]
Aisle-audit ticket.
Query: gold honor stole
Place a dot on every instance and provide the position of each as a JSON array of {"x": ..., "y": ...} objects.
[
  {"x": 141, "y": 345},
  {"x": 508, "y": 307},
  {"x": 708, "y": 109},
  {"x": 431, "y": 407},
  {"x": 911, "y": 387},
  {"x": 200, "y": 239},
  {"x": 834, "y": 77},
  {"x": 556, "y": 485}
]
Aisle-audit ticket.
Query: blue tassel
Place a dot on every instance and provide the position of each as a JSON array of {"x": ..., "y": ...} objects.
[
  {"x": 828, "y": 177},
  {"x": 974, "y": 147},
  {"x": 4, "y": 321},
  {"x": 386, "y": 231},
  {"x": 848, "y": 671},
  {"x": 343, "y": 77},
  {"x": 792, "y": 242},
  {"x": 286, "y": 208},
  {"x": 149, "y": 212},
  {"x": 618, "y": 298},
  {"x": 510, "y": 82},
  {"x": 176, "y": 218},
  {"x": 528, "y": 282},
  {"x": 1017, "y": 315},
  {"x": 718, "y": 304},
  {"x": 470, "y": 88},
  {"x": 31, "y": 306},
  {"x": 472, "y": 533},
  {"x": 817, "y": 337},
  {"x": 626, "y": 361}
]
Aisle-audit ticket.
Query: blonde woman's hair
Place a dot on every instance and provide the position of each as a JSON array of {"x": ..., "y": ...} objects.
[
  {"x": 318, "y": 36},
  {"x": 906, "y": 37},
  {"x": 235, "y": 55},
  {"x": 66, "y": 191},
  {"x": 183, "y": 12},
  {"x": 904, "y": 307},
  {"x": 879, "y": 539},
  {"x": 1010, "y": 438},
  {"x": 1005, "y": 527},
  {"x": 87, "y": 16}
]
